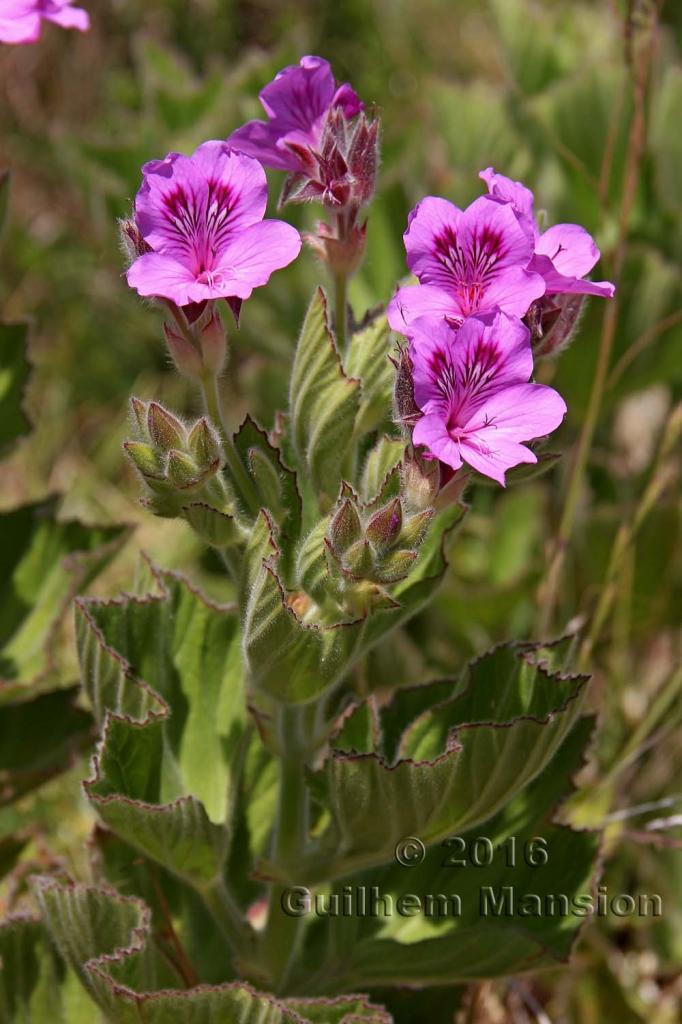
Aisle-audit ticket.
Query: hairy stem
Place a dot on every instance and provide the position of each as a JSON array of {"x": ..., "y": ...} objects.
[{"x": 240, "y": 478}]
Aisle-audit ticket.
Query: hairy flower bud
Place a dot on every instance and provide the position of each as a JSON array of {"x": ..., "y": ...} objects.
[
  {"x": 383, "y": 529},
  {"x": 183, "y": 353},
  {"x": 405, "y": 410},
  {"x": 553, "y": 321},
  {"x": 164, "y": 429},
  {"x": 420, "y": 482}
]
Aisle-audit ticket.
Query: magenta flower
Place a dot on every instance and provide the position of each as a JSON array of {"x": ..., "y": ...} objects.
[
  {"x": 21, "y": 20},
  {"x": 472, "y": 386},
  {"x": 467, "y": 261},
  {"x": 563, "y": 254},
  {"x": 297, "y": 103},
  {"x": 202, "y": 218}
]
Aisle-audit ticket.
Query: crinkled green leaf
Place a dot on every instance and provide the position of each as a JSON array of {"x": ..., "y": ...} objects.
[
  {"x": 452, "y": 943},
  {"x": 459, "y": 762},
  {"x": 35, "y": 985},
  {"x": 174, "y": 716},
  {"x": 14, "y": 370},
  {"x": 43, "y": 564},
  {"x": 323, "y": 402},
  {"x": 106, "y": 939}
]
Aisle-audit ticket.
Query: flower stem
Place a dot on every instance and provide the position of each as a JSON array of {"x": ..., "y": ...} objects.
[
  {"x": 283, "y": 931},
  {"x": 341, "y": 311},
  {"x": 240, "y": 478}
]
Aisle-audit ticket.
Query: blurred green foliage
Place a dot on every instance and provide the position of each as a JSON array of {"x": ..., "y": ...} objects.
[{"x": 541, "y": 90}]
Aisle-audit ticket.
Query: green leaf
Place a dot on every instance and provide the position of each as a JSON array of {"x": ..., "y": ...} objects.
[
  {"x": 323, "y": 402},
  {"x": 150, "y": 760},
  {"x": 381, "y": 460},
  {"x": 14, "y": 370},
  {"x": 476, "y": 934},
  {"x": 35, "y": 986},
  {"x": 39, "y": 739},
  {"x": 275, "y": 484},
  {"x": 343, "y": 1010},
  {"x": 105, "y": 939},
  {"x": 43, "y": 564},
  {"x": 368, "y": 361},
  {"x": 459, "y": 762}
]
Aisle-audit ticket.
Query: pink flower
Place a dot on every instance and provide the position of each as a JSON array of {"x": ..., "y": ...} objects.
[
  {"x": 467, "y": 261},
  {"x": 297, "y": 103},
  {"x": 21, "y": 20},
  {"x": 202, "y": 218},
  {"x": 563, "y": 254},
  {"x": 472, "y": 386}
]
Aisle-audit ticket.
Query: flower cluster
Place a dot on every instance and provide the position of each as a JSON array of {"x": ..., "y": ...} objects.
[
  {"x": 480, "y": 272},
  {"x": 21, "y": 20}
]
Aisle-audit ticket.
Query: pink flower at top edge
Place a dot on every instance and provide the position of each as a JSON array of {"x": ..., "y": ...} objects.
[
  {"x": 563, "y": 254},
  {"x": 472, "y": 386},
  {"x": 202, "y": 218},
  {"x": 21, "y": 20},
  {"x": 297, "y": 103},
  {"x": 467, "y": 261}
]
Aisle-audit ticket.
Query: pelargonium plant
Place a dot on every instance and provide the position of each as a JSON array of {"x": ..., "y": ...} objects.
[{"x": 285, "y": 833}]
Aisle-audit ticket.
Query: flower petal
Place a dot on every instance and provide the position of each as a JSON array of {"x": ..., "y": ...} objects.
[
  {"x": 260, "y": 139},
  {"x": 300, "y": 94},
  {"x": 556, "y": 283},
  {"x": 415, "y": 301},
  {"x": 254, "y": 255},
  {"x": 431, "y": 431},
  {"x": 21, "y": 29},
  {"x": 154, "y": 274},
  {"x": 570, "y": 248},
  {"x": 61, "y": 13},
  {"x": 520, "y": 412},
  {"x": 507, "y": 191},
  {"x": 495, "y": 461}
]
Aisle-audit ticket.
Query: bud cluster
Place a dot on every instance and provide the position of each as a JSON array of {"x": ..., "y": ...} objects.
[
  {"x": 342, "y": 174},
  {"x": 179, "y": 464},
  {"x": 369, "y": 548}
]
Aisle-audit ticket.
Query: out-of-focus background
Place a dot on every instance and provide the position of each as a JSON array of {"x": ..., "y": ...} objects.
[{"x": 543, "y": 91}]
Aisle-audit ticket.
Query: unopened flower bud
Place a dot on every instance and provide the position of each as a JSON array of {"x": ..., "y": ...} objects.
[
  {"x": 396, "y": 566},
  {"x": 414, "y": 529},
  {"x": 553, "y": 321},
  {"x": 383, "y": 529},
  {"x": 146, "y": 459},
  {"x": 203, "y": 443},
  {"x": 345, "y": 527},
  {"x": 164, "y": 429},
  {"x": 183, "y": 471},
  {"x": 138, "y": 414},
  {"x": 132, "y": 241},
  {"x": 405, "y": 409},
  {"x": 184, "y": 353},
  {"x": 420, "y": 482},
  {"x": 359, "y": 560},
  {"x": 343, "y": 256},
  {"x": 212, "y": 343},
  {"x": 363, "y": 159}
]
